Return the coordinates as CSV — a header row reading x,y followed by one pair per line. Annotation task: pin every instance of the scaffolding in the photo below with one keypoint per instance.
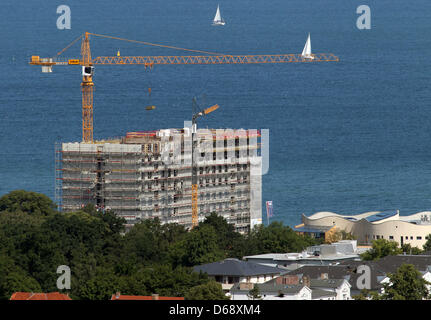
x,y
131,177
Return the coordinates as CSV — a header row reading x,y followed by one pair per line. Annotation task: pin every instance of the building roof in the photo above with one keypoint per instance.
x,y
326,283
127,297
392,263
39,296
271,287
319,293
343,271
341,250
239,268
381,216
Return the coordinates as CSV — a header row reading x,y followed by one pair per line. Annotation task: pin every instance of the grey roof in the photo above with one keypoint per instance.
x,y
325,283
379,269
392,263
271,288
319,293
239,268
346,271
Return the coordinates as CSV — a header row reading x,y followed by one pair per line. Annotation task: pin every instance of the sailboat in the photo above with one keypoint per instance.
x,y
306,53
218,20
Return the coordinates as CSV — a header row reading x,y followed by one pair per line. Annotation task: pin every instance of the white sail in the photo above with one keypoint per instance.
x,y
218,19
306,53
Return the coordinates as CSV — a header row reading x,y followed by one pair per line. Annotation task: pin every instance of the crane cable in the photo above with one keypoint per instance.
x,y
136,41
156,45
69,45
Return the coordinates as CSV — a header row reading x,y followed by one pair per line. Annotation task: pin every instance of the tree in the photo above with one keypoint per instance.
x,y
427,245
340,235
199,246
227,236
114,222
408,249
254,294
209,291
405,284
150,242
365,294
151,258
276,238
29,202
14,279
100,287
381,248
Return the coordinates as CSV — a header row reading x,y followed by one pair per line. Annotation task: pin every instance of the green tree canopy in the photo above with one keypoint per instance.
x,y
14,279
29,202
405,284
427,245
381,248
199,246
209,291
276,238
408,249
150,258
254,293
228,238
150,242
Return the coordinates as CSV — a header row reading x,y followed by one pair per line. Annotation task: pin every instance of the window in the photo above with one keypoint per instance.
x,y
418,238
391,237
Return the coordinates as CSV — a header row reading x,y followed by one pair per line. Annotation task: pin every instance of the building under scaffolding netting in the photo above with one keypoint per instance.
x,y
147,174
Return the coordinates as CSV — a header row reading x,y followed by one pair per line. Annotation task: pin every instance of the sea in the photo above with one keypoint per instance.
x,y
348,137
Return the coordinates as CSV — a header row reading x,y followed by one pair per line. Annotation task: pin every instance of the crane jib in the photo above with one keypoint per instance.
x,y
221,59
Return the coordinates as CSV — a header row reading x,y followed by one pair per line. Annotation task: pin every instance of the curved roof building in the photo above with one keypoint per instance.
x,y
412,229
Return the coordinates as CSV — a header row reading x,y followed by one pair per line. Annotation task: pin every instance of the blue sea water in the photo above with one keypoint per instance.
x,y
348,137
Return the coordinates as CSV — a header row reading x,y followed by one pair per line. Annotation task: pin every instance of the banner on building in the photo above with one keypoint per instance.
x,y
269,210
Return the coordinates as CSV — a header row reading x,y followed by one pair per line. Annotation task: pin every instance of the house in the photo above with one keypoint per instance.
x,y
39,296
119,296
320,294
346,271
389,264
326,254
379,270
337,289
231,271
392,263
271,291
289,287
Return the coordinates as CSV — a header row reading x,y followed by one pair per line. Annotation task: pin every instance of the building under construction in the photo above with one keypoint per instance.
x,y
148,174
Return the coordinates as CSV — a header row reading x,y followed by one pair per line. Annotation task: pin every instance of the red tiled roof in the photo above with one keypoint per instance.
x,y
126,297
39,296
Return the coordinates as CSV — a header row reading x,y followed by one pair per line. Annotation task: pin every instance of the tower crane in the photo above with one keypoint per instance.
x,y
195,117
205,57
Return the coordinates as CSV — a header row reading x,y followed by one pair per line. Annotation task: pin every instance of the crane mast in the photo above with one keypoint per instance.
x,y
87,87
